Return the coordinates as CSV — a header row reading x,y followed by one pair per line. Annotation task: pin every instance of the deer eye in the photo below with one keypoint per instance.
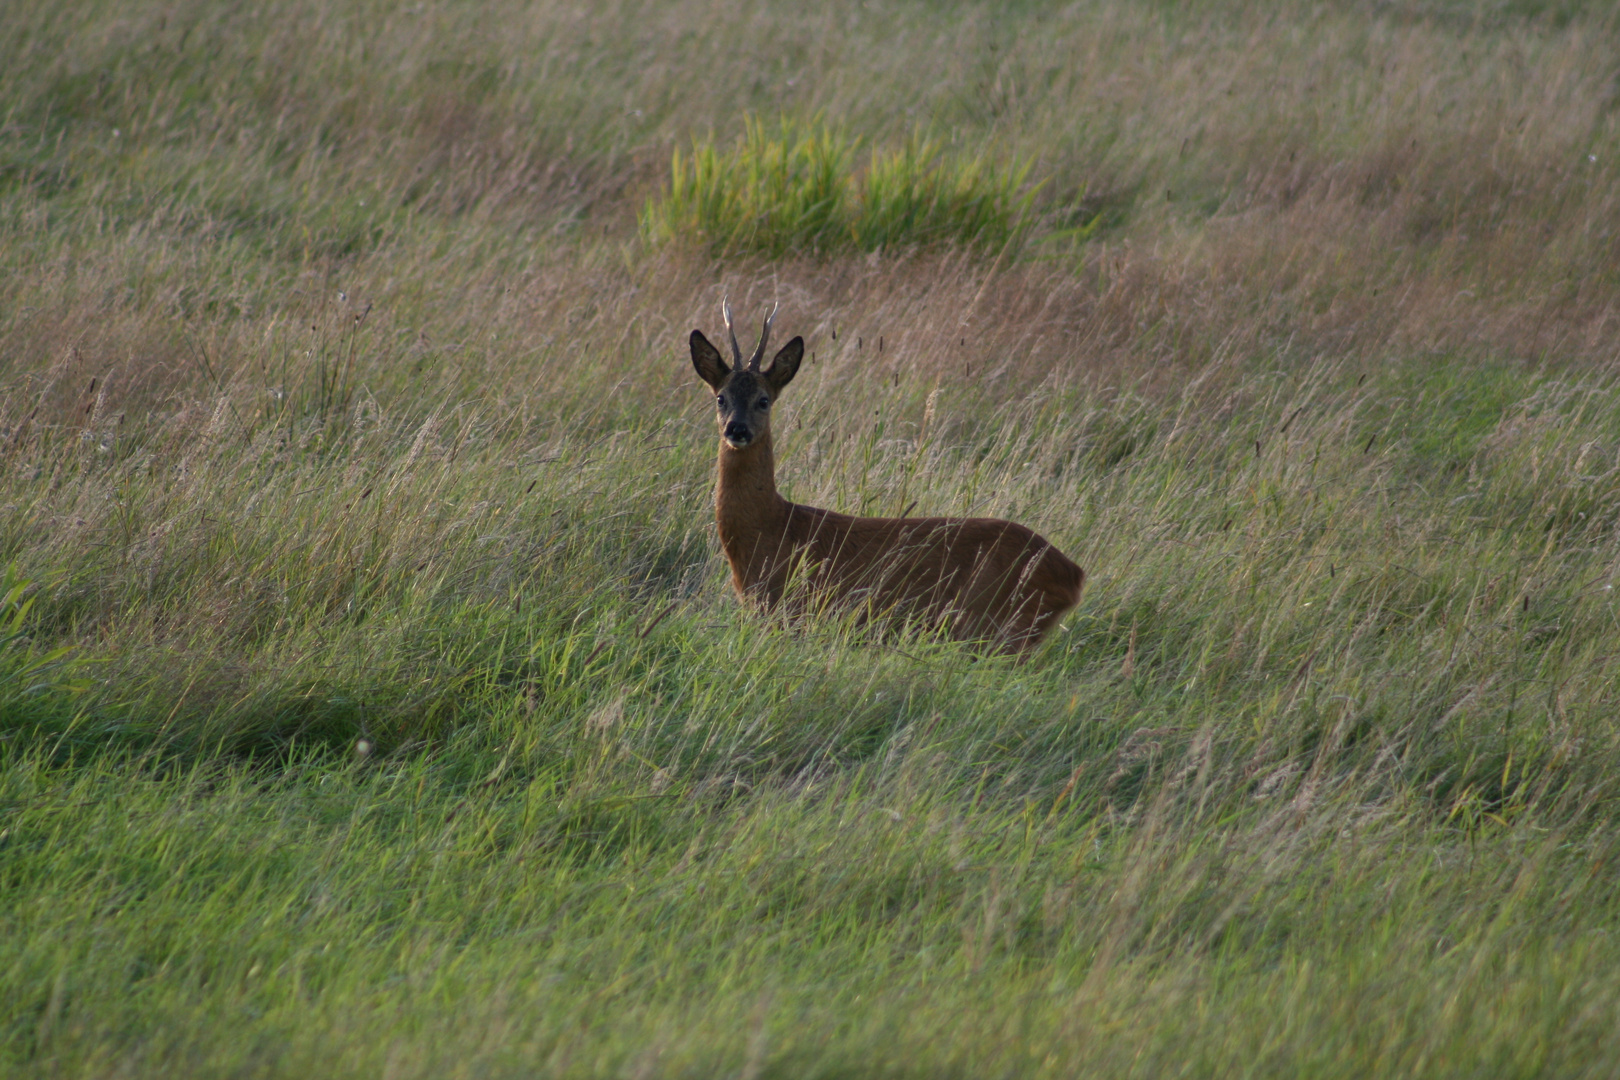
x,y
720,401
764,402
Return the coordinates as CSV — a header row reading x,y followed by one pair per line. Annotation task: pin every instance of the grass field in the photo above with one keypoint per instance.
x,y
372,697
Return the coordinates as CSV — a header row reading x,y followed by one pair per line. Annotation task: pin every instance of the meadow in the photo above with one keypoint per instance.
x,y
373,700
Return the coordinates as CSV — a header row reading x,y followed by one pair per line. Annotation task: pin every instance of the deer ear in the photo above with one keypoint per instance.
x,y
785,364
707,361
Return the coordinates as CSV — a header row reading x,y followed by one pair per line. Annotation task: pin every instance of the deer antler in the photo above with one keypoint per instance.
x,y
736,350
764,336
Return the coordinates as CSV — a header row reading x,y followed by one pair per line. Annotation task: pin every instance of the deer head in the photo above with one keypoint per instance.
x,y
744,393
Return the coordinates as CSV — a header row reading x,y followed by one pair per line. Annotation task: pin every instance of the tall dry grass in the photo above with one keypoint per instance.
x,y
1308,175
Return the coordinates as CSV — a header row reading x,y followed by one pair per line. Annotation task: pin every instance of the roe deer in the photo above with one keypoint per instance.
x,y
984,579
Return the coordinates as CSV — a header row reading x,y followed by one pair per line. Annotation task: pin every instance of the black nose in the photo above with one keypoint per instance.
x,y
737,432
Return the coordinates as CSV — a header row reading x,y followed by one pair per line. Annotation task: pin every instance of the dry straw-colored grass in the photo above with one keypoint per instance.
x,y
1362,185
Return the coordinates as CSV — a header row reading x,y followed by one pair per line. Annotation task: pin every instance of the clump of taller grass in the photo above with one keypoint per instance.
x,y
800,188
914,195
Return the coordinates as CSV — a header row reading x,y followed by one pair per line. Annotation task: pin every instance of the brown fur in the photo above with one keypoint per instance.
x,y
983,578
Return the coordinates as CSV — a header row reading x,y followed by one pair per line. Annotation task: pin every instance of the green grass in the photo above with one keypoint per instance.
x,y
372,697
795,190
1308,755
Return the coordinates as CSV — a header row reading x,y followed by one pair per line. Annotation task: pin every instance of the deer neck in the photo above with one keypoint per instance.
x,y
746,505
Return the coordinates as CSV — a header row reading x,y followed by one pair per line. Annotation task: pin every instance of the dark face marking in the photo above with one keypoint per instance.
x,y
743,397
744,404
